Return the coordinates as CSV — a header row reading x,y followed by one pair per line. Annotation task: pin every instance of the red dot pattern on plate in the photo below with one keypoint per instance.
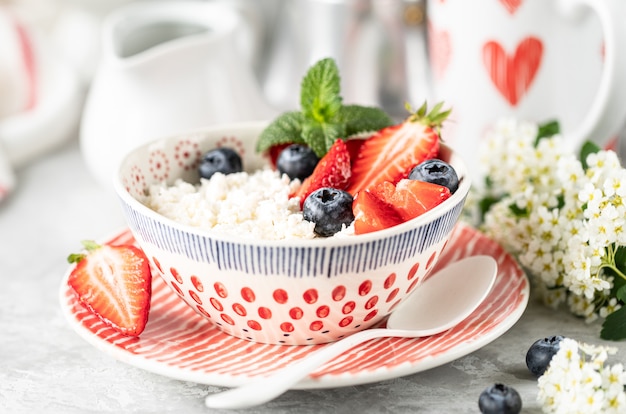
x,y
239,309
310,296
413,271
316,325
391,279
195,297
370,315
177,289
280,296
371,302
339,293
227,319
392,295
254,325
248,294
346,321
348,307
220,289
322,311
365,288
195,281
286,327
216,304
296,313
203,311
265,313
176,275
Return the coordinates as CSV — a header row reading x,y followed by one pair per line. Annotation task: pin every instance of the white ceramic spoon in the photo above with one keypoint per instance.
x,y
444,300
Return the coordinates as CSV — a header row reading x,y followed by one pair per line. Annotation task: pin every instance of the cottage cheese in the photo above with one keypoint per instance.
x,y
255,205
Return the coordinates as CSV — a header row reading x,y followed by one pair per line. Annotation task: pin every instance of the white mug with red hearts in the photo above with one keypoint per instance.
x,y
534,60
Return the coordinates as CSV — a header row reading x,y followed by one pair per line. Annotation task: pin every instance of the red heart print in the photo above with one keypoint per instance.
x,y
513,75
511,5
439,49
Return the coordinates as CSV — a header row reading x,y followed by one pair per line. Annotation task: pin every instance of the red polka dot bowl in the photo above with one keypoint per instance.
x,y
295,292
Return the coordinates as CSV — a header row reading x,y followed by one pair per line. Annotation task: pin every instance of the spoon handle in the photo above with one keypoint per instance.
x,y
270,387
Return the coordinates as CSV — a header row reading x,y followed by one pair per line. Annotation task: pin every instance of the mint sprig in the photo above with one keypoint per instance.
x,y
322,118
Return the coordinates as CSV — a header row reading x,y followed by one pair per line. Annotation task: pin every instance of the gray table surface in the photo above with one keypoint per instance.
x,y
45,367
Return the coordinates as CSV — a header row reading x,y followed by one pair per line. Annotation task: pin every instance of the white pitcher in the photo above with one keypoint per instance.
x,y
167,67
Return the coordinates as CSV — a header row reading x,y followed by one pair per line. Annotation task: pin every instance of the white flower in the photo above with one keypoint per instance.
x,y
563,222
579,381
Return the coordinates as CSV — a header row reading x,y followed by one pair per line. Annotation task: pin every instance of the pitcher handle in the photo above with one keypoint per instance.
x,y
608,110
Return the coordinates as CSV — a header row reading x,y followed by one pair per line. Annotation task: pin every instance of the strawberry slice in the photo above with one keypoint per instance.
x,y
372,213
411,198
390,154
332,170
115,283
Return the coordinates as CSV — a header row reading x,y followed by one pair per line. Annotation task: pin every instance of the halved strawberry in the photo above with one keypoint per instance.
x,y
372,213
411,198
114,282
390,154
332,170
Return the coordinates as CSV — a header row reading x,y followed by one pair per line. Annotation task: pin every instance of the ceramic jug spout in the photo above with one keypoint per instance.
x,y
166,68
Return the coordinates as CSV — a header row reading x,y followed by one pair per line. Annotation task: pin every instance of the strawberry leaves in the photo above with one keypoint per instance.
x,y
322,118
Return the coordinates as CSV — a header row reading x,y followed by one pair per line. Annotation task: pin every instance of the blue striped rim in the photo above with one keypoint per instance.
x,y
292,261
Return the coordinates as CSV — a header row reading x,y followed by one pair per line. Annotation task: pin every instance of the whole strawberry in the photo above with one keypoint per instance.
x,y
115,283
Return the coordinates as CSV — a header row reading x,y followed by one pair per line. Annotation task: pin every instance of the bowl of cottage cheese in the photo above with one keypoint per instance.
x,y
237,249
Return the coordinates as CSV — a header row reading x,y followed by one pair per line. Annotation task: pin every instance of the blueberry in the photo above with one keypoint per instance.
x,y
329,209
297,161
223,160
541,352
500,399
437,172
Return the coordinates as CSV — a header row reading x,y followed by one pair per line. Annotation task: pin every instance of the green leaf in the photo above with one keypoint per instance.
x,y
320,98
321,136
621,293
89,245
287,128
587,148
359,119
614,326
547,130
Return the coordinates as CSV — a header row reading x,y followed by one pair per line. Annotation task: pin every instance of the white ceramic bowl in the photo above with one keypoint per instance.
x,y
280,292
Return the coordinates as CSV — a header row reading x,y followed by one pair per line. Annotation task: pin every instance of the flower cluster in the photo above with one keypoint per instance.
x,y
578,381
563,218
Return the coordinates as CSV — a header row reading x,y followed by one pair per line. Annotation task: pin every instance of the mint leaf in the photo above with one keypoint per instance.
x,y
320,98
359,119
321,136
287,128
614,326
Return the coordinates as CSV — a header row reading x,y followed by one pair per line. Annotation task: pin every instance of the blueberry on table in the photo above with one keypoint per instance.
x,y
223,160
500,399
297,161
436,171
541,352
329,209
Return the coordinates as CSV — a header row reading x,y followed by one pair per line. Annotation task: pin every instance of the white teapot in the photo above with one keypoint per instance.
x,y
166,67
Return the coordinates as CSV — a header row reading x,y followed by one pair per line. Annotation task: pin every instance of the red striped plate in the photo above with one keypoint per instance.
x,y
180,344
